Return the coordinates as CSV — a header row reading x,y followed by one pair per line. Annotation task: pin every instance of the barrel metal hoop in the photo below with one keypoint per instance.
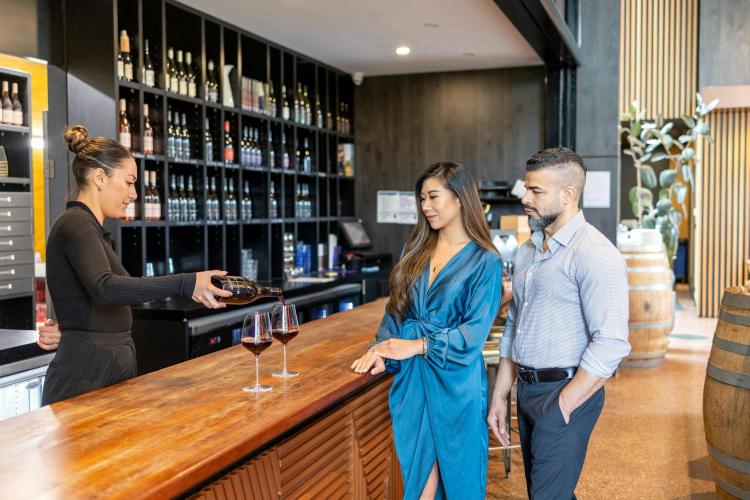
x,y
649,326
736,300
648,269
729,378
735,347
732,489
734,318
649,288
735,463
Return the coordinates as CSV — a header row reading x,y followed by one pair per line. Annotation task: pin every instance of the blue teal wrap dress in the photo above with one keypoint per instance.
x,y
439,405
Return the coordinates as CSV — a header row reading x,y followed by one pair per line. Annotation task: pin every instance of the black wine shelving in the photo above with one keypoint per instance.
x,y
170,246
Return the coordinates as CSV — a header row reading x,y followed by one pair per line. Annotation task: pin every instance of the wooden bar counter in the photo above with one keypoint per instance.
x,y
190,430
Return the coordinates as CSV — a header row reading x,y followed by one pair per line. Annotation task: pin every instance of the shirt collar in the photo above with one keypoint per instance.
x,y
85,208
562,236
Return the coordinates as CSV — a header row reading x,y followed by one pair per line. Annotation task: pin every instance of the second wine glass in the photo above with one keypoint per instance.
x,y
285,327
256,338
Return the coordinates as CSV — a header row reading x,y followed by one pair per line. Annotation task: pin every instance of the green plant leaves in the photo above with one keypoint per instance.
x,y
687,154
648,176
645,196
686,172
649,222
665,194
663,206
667,178
680,191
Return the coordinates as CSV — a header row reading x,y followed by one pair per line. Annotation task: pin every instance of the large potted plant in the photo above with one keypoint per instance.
x,y
651,142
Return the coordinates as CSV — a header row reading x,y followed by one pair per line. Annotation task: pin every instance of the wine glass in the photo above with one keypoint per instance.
x,y
256,338
285,328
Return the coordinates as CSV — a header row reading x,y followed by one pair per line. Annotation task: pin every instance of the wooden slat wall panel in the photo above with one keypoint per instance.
x,y
722,229
347,454
658,56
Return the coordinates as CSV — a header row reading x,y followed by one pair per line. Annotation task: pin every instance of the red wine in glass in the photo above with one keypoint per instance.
x,y
256,338
285,336
285,328
255,347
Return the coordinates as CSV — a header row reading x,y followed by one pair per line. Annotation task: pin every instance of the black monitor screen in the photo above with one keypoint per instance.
x,y
355,234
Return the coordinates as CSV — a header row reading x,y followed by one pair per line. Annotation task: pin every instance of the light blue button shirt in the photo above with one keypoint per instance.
x,y
570,304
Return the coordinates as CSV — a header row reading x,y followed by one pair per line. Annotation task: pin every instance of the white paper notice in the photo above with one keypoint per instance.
x,y
407,208
388,206
596,191
397,207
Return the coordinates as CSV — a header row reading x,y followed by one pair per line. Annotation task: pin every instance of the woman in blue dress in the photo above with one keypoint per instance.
x,y
445,292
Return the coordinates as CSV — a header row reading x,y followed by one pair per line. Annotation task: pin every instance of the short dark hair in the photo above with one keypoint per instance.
x,y
554,157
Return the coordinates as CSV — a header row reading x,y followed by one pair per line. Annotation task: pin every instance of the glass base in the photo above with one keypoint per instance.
x,y
285,374
257,388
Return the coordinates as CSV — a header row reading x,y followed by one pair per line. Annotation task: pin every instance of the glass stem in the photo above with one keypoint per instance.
x,y
257,371
285,370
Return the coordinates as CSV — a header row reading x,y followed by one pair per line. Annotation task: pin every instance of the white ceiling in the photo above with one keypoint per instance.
x,y
362,35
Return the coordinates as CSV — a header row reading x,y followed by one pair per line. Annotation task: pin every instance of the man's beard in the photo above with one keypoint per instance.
x,y
541,222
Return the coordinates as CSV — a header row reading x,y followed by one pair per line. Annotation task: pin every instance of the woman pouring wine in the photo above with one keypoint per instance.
x,y
89,287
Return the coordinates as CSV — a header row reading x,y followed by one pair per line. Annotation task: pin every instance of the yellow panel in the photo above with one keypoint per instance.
x,y
39,104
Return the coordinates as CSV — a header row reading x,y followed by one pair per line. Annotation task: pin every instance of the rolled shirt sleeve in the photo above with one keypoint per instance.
x,y
603,287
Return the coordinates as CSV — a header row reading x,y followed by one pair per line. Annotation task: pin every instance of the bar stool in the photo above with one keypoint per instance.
x,y
491,353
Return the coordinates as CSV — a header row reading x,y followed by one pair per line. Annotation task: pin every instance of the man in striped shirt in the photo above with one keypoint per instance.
x,y
567,328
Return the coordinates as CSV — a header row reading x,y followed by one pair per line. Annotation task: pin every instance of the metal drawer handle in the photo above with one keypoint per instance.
x,y
8,257
6,228
8,243
10,271
7,198
9,286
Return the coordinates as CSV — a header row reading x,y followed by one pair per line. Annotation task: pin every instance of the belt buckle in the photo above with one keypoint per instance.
x,y
529,376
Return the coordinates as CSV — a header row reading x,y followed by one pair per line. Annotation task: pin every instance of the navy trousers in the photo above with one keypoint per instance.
x,y
553,451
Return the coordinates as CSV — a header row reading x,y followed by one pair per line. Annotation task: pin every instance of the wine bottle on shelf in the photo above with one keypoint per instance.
x,y
155,198
298,158
124,61
17,108
234,199
228,145
243,147
173,80
183,200
209,142
298,200
192,88
307,161
7,113
258,149
213,212
171,146
192,201
308,108
284,151
296,109
181,75
148,74
271,149
318,112
131,211
244,291
284,104
148,133
187,152
247,202
271,109
124,136
147,209
171,201
273,204
227,211
211,91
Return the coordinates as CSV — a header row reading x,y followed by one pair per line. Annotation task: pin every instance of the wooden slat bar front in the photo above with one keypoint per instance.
x,y
168,432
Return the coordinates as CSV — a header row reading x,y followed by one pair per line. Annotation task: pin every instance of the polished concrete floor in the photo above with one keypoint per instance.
x,y
649,442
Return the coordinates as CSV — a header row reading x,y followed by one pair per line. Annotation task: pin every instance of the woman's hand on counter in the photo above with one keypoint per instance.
x,y
368,361
49,335
205,292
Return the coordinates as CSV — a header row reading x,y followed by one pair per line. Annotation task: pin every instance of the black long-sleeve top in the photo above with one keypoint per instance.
x,y
89,287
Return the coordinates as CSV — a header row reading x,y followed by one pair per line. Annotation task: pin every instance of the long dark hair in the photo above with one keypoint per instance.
x,y
423,238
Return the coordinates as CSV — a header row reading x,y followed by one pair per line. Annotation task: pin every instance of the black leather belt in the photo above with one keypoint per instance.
x,y
528,375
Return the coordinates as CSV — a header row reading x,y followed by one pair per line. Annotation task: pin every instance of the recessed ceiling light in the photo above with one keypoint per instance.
x,y
431,25
403,50
469,54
